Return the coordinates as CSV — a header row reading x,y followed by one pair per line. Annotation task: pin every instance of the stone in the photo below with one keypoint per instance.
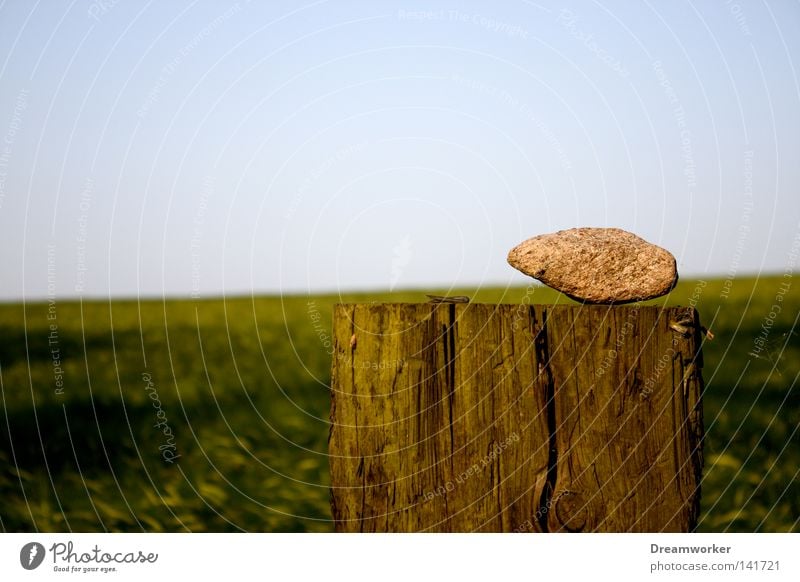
x,y
597,265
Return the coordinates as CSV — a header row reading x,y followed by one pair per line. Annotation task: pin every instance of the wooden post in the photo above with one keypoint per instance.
x,y
528,418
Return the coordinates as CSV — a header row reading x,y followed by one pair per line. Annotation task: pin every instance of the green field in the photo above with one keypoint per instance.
x,y
242,406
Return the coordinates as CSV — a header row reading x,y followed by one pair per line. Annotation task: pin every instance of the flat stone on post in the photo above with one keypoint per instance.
x,y
597,265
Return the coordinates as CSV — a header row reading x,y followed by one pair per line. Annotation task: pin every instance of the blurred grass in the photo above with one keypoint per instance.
x,y
243,385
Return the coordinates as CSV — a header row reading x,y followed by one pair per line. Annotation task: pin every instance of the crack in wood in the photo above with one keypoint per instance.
x,y
542,352
450,362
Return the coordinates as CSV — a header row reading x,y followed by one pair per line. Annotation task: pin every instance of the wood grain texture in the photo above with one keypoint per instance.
x,y
499,418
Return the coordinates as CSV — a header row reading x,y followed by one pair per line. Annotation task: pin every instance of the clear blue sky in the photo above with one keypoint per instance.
x,y
177,148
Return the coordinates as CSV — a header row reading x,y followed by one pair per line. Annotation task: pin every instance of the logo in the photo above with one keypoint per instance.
x,y
31,555
402,257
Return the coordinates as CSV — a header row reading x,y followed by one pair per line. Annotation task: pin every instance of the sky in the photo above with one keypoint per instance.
x,y
192,149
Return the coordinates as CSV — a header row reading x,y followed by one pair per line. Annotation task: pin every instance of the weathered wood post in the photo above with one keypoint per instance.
x,y
501,418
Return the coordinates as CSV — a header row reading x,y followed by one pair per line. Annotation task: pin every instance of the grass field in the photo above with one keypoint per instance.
x,y
211,415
